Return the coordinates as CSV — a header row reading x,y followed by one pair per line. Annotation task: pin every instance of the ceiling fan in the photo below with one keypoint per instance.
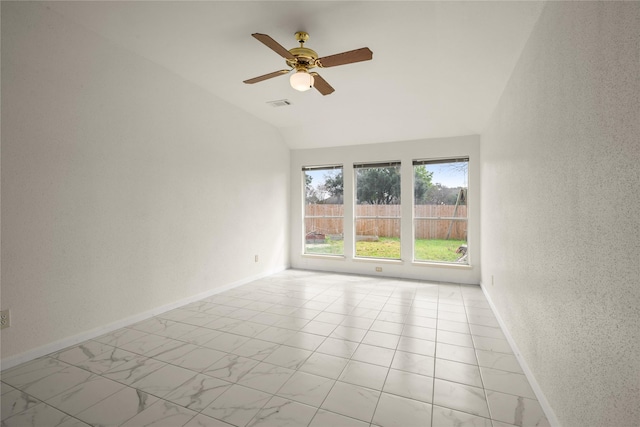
x,y
302,59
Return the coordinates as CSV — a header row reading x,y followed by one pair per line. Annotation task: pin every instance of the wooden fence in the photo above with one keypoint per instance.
x,y
386,220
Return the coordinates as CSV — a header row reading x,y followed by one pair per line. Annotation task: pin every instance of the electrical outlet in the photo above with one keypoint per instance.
x,y
492,280
379,269
256,258
5,319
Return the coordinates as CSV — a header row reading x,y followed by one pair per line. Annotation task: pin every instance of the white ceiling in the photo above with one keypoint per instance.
x,y
438,68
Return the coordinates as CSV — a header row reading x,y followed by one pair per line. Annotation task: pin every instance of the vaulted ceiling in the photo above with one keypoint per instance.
x,y
438,68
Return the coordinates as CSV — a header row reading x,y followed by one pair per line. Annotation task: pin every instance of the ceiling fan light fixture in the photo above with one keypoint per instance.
x,y
301,80
302,59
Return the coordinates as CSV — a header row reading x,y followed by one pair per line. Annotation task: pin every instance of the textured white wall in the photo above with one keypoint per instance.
x,y
124,187
406,152
561,210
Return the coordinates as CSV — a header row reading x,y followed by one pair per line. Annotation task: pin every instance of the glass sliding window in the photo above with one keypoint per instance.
x,y
323,210
440,210
377,210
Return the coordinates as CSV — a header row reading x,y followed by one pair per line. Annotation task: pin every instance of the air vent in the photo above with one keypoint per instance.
x,y
279,103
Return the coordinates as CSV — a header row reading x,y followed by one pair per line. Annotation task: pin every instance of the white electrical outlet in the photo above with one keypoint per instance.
x,y
492,280
256,258
379,269
5,319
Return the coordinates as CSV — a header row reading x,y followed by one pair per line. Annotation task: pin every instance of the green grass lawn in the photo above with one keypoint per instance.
x,y
437,250
389,247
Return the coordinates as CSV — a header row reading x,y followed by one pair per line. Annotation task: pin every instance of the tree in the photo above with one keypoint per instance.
x,y
382,185
334,184
309,191
321,193
422,183
378,186
439,194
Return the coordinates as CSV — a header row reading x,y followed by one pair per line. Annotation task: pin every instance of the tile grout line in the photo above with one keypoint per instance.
x,y
298,370
389,368
345,367
484,390
389,299
435,355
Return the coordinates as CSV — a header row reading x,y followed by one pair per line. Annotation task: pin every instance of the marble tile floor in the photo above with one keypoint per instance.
x,y
297,348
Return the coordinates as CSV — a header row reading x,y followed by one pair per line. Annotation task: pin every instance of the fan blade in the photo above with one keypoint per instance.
x,y
274,45
266,76
321,84
358,55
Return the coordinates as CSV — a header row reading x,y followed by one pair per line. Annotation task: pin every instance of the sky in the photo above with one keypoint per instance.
x,y
448,176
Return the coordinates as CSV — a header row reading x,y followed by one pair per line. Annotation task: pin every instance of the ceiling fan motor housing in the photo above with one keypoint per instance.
x,y
302,59
305,57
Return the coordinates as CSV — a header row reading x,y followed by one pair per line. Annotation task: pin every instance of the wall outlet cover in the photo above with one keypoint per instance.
x,y
5,319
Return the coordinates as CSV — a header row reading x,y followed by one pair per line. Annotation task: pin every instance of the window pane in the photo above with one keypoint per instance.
x,y
378,238
323,211
377,222
440,211
431,243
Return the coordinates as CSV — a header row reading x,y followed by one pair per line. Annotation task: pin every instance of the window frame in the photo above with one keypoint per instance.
x,y
414,219
370,165
304,170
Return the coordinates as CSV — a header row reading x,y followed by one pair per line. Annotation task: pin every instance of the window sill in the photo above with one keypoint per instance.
x,y
442,265
379,260
325,256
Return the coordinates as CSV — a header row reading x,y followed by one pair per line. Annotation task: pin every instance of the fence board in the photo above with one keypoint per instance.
x,y
424,229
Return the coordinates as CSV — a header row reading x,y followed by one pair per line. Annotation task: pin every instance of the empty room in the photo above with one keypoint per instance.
x,y
320,213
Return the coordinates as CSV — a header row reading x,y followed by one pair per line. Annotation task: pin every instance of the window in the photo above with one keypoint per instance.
x,y
440,210
323,210
377,210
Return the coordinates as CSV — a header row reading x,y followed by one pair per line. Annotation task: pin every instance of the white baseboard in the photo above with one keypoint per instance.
x,y
10,362
544,403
